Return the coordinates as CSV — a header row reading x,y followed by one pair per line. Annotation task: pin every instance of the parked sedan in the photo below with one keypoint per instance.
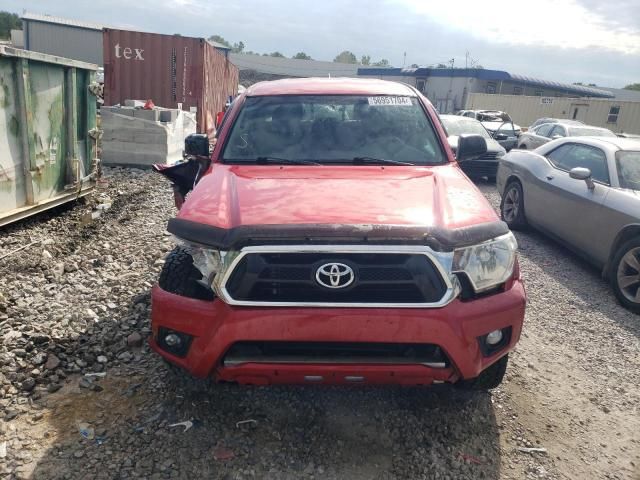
x,y
585,193
543,120
487,164
551,131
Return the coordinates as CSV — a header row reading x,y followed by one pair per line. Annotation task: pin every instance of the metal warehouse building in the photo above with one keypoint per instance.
x,y
69,38
63,37
448,89
618,116
289,67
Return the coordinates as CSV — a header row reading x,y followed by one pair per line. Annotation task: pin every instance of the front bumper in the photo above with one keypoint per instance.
x,y
215,326
480,168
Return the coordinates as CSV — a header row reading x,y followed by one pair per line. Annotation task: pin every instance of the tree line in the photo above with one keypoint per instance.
x,y
345,56
8,22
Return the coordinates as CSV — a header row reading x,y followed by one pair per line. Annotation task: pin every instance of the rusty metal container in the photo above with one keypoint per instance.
x,y
46,114
171,70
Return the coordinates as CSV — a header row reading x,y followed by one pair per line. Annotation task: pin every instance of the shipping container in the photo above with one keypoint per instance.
x,y
47,155
171,70
617,116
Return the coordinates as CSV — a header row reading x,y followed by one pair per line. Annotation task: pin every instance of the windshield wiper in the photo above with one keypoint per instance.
x,y
383,161
291,161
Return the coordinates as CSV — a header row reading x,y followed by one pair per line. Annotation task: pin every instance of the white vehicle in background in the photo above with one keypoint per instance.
x,y
499,125
546,132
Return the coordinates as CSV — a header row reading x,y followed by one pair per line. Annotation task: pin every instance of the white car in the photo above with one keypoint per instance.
x,y
499,125
552,131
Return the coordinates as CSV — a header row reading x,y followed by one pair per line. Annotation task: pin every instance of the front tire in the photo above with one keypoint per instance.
x,y
180,276
512,206
490,378
625,275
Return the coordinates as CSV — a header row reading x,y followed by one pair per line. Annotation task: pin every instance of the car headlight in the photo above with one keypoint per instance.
x,y
488,264
207,260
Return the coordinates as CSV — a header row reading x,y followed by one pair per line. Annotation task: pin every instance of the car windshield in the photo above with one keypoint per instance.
x,y
333,129
460,126
591,132
628,163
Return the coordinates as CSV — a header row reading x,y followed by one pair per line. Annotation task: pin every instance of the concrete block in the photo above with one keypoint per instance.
x,y
169,116
151,115
117,110
134,103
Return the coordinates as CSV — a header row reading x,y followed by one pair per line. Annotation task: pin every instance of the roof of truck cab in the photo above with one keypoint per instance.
x,y
330,86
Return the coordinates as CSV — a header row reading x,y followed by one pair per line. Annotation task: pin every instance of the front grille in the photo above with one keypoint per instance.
x,y
489,156
379,278
335,353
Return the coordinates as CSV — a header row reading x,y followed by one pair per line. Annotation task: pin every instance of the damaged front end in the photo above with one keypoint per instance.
x,y
186,174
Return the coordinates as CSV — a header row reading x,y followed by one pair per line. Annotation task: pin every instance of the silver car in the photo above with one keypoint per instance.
x,y
585,193
551,131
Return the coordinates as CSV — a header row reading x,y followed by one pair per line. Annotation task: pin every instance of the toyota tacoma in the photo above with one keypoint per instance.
x,y
330,237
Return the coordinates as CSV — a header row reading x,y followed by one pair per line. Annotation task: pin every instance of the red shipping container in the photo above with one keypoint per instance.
x,y
169,69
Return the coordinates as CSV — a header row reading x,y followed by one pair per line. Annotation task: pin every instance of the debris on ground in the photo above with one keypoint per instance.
x,y
246,422
223,453
532,450
187,424
86,430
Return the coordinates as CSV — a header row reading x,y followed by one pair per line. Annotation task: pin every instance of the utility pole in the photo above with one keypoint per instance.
x,y
404,62
466,60
450,92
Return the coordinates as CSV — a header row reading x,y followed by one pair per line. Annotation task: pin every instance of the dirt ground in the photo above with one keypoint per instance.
x,y
572,386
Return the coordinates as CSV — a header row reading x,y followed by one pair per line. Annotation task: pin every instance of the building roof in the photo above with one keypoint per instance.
x,y
491,75
219,46
293,67
623,95
36,17
330,86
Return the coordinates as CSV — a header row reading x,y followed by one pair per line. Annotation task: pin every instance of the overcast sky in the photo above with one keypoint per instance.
x,y
589,41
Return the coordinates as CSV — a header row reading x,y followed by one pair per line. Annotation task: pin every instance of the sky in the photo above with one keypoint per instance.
x,y
588,41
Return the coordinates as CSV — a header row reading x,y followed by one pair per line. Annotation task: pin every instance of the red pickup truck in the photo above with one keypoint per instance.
x,y
332,238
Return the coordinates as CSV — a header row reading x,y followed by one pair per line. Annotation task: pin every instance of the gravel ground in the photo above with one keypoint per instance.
x,y
78,303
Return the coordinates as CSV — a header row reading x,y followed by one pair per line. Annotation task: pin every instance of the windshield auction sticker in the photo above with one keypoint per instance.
x,y
390,101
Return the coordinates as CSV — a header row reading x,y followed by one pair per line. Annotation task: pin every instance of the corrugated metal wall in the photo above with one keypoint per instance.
x,y
525,110
65,41
221,78
170,70
46,112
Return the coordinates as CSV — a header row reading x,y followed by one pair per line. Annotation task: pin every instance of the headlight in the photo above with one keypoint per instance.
x,y
208,261
487,264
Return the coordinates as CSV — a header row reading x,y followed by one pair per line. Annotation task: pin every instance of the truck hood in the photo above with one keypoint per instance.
x,y
275,197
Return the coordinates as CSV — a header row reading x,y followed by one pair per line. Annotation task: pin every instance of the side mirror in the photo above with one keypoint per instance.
x,y
470,147
581,173
556,137
196,145
501,136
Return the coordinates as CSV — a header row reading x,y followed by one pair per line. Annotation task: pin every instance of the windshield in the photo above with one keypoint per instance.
x,y
628,164
460,126
332,129
591,132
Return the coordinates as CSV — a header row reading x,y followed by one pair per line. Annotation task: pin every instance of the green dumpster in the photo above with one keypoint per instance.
x,y
47,119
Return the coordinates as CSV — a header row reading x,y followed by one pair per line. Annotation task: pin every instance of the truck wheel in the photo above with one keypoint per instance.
x,y
512,206
179,276
625,274
488,379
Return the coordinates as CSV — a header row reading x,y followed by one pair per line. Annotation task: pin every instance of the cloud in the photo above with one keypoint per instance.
x,y
621,14
563,24
553,41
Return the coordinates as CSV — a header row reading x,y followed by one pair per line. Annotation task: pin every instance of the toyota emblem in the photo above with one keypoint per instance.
x,y
335,275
